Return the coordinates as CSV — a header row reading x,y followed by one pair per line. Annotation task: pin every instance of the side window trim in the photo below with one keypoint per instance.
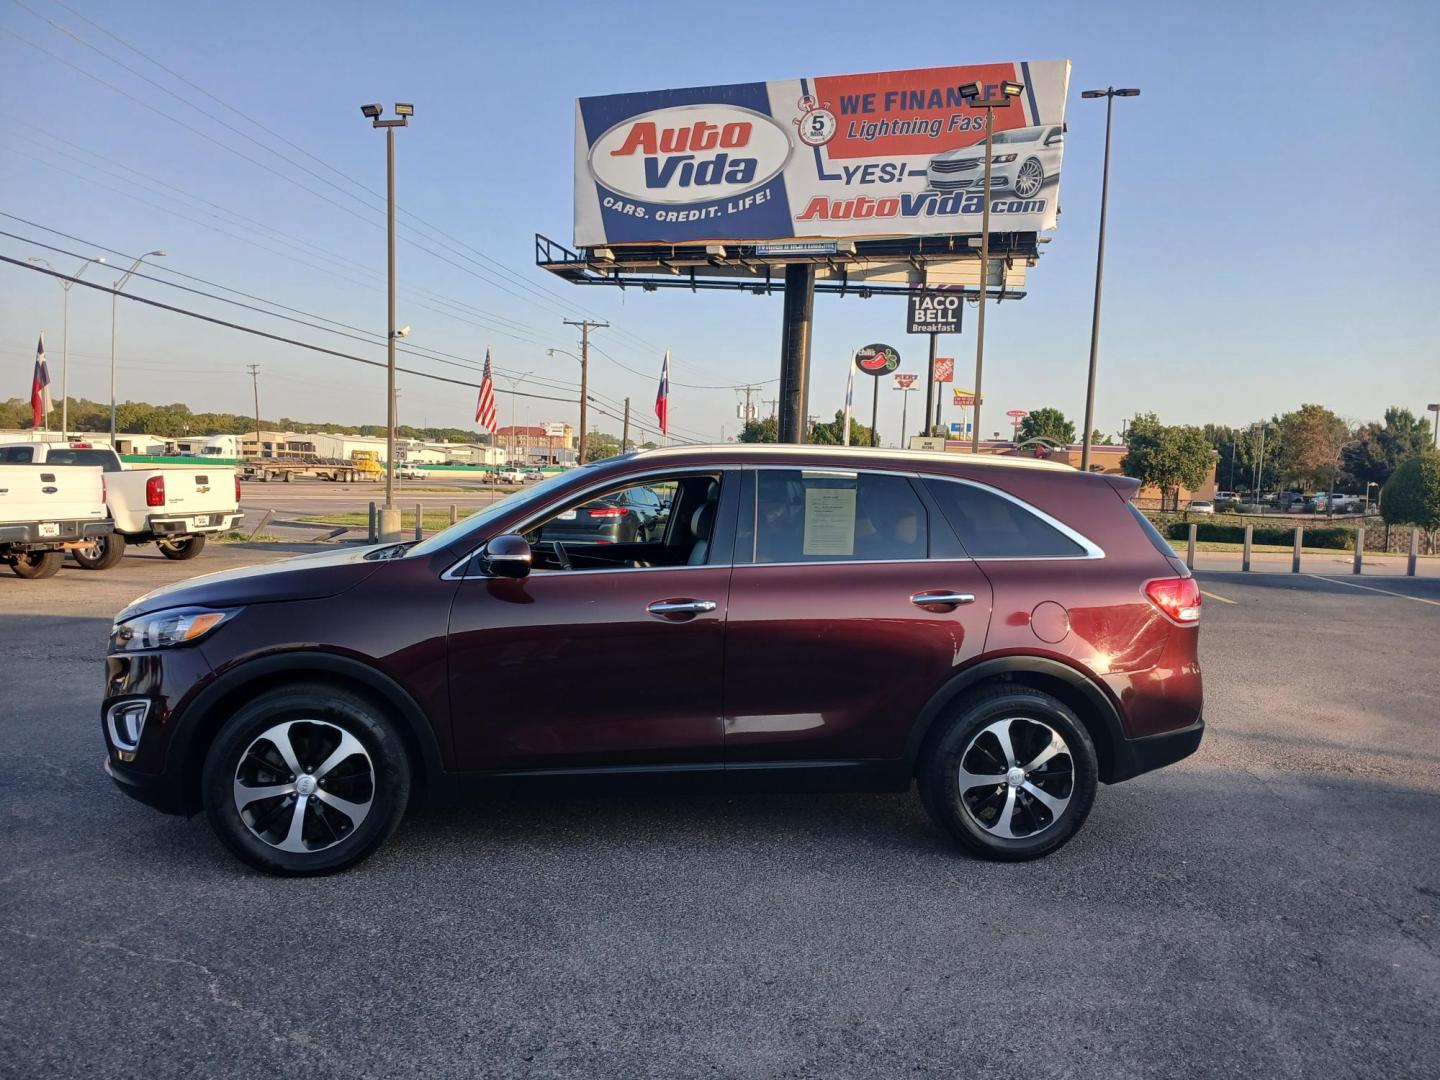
x,y
1089,549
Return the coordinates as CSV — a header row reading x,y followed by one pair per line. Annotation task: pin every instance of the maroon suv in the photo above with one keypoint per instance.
x,y
1006,633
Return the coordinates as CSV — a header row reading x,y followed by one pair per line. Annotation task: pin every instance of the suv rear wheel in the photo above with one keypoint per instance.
x,y
1012,774
105,552
186,548
37,564
306,780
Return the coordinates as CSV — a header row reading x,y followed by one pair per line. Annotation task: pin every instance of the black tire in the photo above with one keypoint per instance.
x,y
109,549
180,550
34,565
1070,775
315,710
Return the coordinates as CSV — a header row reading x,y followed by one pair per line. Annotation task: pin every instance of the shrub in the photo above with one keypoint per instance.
x,y
1338,537
1412,494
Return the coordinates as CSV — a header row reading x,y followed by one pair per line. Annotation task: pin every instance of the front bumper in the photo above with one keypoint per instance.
x,y
1132,757
972,180
153,791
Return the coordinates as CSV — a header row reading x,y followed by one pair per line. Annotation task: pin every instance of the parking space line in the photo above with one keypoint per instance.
x,y
1371,588
1217,596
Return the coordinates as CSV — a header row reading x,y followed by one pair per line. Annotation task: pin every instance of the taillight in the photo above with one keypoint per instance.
x,y
1178,598
237,489
155,491
608,512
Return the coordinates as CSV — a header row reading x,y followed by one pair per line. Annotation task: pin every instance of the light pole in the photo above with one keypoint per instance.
x,y
1434,407
979,97
120,284
583,361
514,381
1109,94
390,515
65,284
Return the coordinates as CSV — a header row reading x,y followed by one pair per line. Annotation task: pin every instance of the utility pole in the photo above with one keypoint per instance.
x,y
747,413
586,325
625,431
772,402
255,383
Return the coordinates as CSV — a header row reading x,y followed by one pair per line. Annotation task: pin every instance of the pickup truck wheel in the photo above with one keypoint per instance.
x,y
186,548
37,564
103,554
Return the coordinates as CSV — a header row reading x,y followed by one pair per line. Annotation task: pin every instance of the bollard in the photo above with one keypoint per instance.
x,y
1359,548
1299,539
1414,552
454,514
1249,542
419,523
1190,548
370,537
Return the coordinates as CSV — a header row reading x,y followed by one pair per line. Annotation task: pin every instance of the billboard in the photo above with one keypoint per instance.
x,y
933,311
889,153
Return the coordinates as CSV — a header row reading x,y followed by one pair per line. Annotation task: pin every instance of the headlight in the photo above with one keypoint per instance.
x,y
1003,159
164,629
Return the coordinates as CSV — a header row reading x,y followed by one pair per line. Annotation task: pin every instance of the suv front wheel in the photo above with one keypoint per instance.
x,y
306,779
1011,775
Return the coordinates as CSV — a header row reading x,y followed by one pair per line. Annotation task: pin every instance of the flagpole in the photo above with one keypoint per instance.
x,y
849,401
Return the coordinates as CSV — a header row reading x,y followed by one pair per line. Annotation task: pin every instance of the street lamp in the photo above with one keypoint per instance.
x,y
979,97
390,515
65,284
584,396
1434,407
1109,94
120,284
515,381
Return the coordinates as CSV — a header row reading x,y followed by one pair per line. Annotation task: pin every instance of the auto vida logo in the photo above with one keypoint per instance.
x,y
690,154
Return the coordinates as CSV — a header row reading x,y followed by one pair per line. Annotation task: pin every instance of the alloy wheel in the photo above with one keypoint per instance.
x,y
1029,179
304,785
1016,778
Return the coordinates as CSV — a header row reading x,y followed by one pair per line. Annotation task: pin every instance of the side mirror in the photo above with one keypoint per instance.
x,y
507,556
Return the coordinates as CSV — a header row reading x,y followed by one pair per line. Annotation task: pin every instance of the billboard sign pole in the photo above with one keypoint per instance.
x,y
876,360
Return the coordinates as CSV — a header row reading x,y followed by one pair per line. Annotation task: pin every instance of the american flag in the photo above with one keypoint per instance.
x,y
662,397
40,386
485,406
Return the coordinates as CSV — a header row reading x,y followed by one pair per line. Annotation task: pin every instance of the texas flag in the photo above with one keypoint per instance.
x,y
662,397
40,386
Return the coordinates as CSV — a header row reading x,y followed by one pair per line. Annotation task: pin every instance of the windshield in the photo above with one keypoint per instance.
x,y
1016,136
478,520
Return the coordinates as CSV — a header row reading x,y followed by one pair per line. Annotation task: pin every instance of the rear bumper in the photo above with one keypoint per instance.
x,y
185,525
1132,757
65,531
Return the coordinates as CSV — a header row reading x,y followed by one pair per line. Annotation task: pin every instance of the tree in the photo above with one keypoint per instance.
x,y
1099,438
1047,423
599,445
1379,449
761,431
1312,440
1167,458
830,434
1412,494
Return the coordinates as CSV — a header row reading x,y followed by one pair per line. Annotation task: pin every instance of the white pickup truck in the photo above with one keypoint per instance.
x,y
176,507
45,512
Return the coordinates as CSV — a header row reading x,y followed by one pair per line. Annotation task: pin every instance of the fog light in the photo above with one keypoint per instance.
x,y
126,722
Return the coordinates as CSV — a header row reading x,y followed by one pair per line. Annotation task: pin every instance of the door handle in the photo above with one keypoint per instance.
x,y
942,598
681,607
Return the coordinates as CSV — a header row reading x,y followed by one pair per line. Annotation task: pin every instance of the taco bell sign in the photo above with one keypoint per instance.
x,y
890,153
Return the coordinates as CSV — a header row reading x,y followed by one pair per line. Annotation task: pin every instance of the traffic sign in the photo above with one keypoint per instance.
x,y
933,311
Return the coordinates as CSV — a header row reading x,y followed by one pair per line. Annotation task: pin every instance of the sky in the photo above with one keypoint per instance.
x,y
1272,233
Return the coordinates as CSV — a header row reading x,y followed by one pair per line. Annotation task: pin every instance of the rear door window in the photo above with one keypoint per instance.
x,y
993,526
17,455
804,515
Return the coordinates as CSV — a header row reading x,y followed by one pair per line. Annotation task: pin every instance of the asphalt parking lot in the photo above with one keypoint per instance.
x,y
1267,908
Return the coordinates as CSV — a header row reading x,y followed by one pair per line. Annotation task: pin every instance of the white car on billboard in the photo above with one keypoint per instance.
x,y
1025,160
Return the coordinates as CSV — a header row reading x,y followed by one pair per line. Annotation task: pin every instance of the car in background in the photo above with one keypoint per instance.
x,y
1201,506
511,474
1008,633
631,516
410,472
534,474
1025,160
